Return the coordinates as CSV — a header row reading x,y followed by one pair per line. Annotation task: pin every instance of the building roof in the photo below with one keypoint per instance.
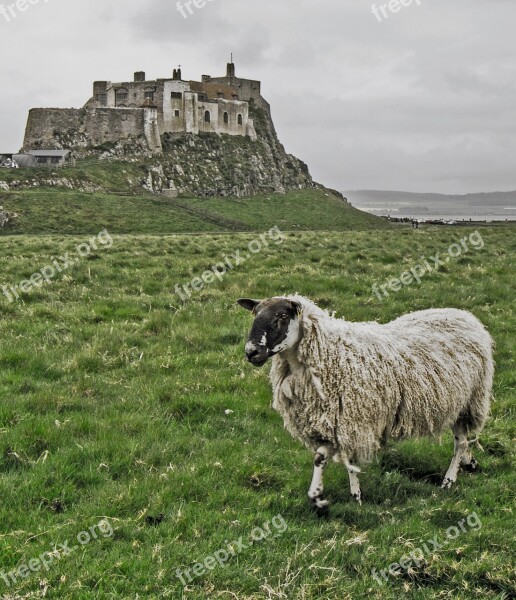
x,y
25,160
212,89
59,153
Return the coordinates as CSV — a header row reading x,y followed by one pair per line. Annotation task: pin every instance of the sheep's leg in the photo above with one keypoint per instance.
x,y
315,493
461,453
468,462
354,483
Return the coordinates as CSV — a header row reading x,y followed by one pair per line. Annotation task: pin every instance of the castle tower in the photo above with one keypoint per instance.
x,y
230,72
151,127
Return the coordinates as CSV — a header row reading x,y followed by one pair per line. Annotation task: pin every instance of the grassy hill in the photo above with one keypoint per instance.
x,y
58,210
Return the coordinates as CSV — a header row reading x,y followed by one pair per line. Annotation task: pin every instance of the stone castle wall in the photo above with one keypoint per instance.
x,y
53,128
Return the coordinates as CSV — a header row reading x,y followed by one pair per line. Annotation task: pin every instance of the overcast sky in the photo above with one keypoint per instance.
x,y
423,100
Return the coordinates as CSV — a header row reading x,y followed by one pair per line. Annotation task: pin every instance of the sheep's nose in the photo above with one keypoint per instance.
x,y
251,353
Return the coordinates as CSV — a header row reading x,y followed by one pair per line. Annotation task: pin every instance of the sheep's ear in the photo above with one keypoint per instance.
x,y
296,306
248,304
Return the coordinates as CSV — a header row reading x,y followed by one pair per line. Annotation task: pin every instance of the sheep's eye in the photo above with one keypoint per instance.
x,y
284,316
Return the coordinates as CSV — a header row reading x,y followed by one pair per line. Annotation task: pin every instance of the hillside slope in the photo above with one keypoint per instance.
x,y
49,211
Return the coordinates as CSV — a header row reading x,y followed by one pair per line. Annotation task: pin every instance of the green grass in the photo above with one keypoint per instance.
x,y
113,405
46,210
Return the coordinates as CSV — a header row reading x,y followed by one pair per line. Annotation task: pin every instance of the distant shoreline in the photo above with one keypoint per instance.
x,y
440,217
499,207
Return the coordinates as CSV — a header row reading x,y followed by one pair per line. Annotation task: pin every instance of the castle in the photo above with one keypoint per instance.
x,y
148,109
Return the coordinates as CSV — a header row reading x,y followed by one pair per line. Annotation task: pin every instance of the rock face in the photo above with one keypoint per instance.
x,y
208,165
6,217
54,180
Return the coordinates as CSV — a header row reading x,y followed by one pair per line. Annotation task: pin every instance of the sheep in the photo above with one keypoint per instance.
x,y
343,389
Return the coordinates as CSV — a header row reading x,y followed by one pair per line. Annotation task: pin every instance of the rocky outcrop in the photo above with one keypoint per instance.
x,y
53,180
6,217
208,165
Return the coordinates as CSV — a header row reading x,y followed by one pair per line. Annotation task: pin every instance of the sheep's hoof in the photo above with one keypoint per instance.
x,y
472,467
323,512
357,498
320,506
447,484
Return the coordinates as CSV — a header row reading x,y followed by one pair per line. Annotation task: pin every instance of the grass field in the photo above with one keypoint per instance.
x,y
121,402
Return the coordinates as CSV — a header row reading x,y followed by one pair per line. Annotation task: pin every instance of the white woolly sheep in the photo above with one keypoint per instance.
x,y
344,388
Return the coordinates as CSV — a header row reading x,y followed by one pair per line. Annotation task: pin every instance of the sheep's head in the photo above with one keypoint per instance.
x,y
275,329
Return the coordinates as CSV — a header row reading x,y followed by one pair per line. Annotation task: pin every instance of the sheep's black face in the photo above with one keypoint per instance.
x,y
275,328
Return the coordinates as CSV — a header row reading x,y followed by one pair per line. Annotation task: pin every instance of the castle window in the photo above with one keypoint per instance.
x,y
240,120
149,95
207,117
226,118
121,95
177,113
176,95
